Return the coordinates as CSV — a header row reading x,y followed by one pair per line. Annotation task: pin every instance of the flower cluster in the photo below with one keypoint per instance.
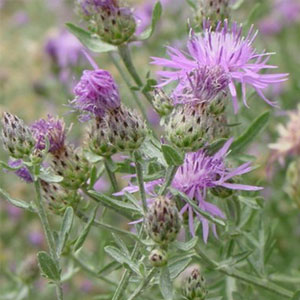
x,y
226,48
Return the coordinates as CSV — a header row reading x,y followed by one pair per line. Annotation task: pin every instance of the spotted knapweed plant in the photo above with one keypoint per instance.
x,y
169,209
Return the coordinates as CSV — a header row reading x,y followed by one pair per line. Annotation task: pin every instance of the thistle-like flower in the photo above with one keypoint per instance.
x,y
163,221
66,161
114,24
50,130
95,93
162,103
288,142
16,136
227,49
199,174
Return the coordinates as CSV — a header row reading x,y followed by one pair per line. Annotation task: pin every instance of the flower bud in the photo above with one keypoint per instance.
x,y
194,287
127,130
72,166
58,198
99,136
162,221
29,270
292,187
158,258
162,103
214,10
21,171
191,126
114,24
16,136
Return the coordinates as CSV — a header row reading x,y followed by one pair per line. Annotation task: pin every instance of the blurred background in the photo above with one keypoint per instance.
x,y
39,64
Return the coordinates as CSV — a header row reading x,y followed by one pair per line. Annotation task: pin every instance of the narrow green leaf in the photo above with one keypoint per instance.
x,y
215,146
186,246
65,229
122,258
86,230
90,41
124,208
192,4
48,266
17,203
248,136
177,266
237,4
165,284
172,156
93,177
48,176
120,243
156,14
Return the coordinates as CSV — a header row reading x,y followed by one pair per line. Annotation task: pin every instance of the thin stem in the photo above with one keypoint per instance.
x,y
140,179
48,233
169,178
230,271
126,57
143,284
127,274
123,75
90,271
110,174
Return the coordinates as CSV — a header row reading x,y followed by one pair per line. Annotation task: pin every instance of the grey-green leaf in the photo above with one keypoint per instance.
x,y
122,258
65,229
90,41
86,230
165,284
48,176
17,203
172,156
156,14
252,131
48,266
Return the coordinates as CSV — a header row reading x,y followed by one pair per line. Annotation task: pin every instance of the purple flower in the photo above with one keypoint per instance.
x,y
202,85
198,174
65,50
91,7
227,48
95,93
22,171
52,129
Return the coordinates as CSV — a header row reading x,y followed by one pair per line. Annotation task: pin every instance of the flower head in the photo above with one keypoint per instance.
x,y
52,129
90,7
95,93
288,142
198,174
228,49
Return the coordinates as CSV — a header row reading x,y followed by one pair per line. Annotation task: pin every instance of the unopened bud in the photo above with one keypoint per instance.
x,y
162,103
163,221
16,136
194,287
58,198
114,24
158,258
127,130
71,164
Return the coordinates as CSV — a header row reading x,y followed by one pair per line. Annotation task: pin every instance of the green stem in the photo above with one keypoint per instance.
x,y
140,179
127,274
143,284
230,271
126,57
169,178
110,174
123,75
48,233
90,271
